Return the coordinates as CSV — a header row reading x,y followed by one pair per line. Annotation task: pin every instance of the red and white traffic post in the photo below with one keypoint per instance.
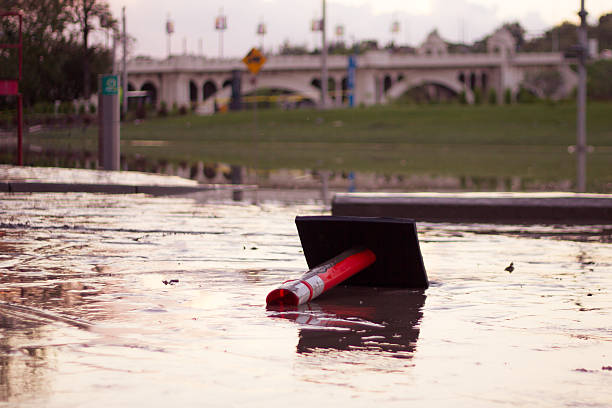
x,y
321,278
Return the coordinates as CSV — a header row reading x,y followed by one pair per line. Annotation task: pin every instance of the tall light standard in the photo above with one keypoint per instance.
x,y
261,31
124,73
395,29
340,34
323,60
169,32
221,26
581,148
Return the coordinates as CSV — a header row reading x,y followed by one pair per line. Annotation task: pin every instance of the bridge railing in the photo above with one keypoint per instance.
x,y
371,59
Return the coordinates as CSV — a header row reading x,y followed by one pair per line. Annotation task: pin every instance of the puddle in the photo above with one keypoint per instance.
x,y
87,320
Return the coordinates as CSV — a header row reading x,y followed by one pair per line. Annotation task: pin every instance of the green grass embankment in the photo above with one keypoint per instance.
x,y
526,141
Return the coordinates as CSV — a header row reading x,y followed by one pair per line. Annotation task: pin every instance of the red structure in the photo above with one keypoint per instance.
x,y
10,86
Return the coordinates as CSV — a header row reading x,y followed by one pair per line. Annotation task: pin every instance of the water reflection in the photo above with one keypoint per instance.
x,y
22,367
537,336
359,318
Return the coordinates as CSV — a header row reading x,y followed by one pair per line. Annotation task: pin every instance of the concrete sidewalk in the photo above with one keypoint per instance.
x,y
497,208
14,179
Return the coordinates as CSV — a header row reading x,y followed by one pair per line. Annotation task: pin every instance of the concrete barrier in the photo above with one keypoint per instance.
x,y
501,208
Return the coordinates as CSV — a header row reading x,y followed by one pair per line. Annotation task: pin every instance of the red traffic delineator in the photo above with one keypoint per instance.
x,y
367,251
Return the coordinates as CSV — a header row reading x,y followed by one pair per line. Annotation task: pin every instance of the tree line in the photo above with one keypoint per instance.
x,y
562,37
59,61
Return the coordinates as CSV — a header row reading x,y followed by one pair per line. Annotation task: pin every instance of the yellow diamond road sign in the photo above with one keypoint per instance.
x,y
254,60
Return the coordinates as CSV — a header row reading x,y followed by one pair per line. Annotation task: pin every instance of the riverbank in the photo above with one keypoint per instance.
x,y
511,148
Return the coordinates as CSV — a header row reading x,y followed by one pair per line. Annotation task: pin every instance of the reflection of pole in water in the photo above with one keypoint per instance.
x,y
363,318
21,328
581,167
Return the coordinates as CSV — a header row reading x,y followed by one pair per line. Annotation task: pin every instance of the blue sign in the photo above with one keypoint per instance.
x,y
352,66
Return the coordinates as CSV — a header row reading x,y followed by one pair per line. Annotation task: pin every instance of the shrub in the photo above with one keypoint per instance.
x,y
493,97
599,85
462,98
141,112
525,96
163,110
507,96
477,96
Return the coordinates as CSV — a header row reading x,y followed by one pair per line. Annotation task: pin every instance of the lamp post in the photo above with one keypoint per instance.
x,y
395,29
169,32
581,148
261,31
221,26
124,79
323,61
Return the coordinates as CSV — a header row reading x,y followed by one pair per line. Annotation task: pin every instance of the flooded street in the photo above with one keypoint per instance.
x,y
133,300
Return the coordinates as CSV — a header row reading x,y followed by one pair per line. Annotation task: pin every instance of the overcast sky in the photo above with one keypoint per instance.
x,y
289,20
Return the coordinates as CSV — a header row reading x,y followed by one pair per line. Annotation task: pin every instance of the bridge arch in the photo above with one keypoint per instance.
x,y
289,84
193,91
277,82
152,92
151,81
208,89
399,88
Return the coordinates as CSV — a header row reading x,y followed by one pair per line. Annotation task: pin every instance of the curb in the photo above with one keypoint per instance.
x,y
586,209
38,187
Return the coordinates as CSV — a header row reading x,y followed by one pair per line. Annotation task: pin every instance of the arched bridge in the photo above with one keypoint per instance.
x,y
381,76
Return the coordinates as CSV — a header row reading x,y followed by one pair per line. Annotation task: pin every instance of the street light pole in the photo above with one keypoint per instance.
x,y
323,61
124,63
581,148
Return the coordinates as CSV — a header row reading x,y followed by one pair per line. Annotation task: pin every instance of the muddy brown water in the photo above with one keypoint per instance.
x,y
86,319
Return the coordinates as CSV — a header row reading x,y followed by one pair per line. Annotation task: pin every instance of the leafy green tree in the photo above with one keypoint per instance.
x,y
90,15
45,42
559,38
492,96
53,65
508,96
518,32
599,85
604,31
477,96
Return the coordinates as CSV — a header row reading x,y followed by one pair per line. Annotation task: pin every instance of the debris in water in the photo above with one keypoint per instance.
x,y
510,267
170,282
584,370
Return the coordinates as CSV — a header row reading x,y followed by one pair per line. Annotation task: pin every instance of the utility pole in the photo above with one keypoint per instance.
x,y
261,32
124,80
169,32
114,50
221,26
323,61
581,148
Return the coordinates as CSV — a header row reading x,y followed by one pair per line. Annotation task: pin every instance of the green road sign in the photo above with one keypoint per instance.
x,y
110,85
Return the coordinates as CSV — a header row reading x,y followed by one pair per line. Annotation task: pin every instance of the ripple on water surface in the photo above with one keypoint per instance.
x,y
123,300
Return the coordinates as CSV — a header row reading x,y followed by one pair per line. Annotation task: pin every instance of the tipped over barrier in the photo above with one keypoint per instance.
x,y
382,252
